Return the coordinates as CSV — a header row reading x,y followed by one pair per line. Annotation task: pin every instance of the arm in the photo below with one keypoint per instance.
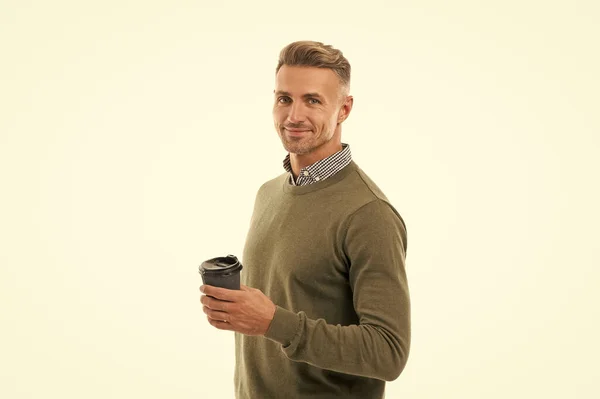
x,y
375,245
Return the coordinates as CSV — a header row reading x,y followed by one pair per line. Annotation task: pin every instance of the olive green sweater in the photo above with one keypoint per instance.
x,y
331,256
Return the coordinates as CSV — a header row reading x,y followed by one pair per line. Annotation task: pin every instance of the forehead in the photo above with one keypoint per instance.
x,y
299,80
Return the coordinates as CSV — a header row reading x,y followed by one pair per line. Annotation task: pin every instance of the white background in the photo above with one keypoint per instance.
x,y
134,135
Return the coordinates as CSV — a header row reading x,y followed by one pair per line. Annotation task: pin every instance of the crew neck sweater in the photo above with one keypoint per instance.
x,y
331,256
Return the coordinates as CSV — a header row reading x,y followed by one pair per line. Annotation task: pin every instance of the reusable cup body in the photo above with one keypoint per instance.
x,y
223,271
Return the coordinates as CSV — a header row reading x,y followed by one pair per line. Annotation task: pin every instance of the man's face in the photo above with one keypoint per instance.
x,y
307,108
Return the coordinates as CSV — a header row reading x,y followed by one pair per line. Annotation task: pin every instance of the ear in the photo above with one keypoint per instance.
x,y
345,109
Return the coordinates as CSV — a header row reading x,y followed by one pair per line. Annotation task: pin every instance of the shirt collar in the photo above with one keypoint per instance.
x,y
321,169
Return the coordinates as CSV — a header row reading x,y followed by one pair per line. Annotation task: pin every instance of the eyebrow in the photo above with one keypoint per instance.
x,y
307,95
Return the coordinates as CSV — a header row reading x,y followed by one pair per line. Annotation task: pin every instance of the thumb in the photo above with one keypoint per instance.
x,y
244,288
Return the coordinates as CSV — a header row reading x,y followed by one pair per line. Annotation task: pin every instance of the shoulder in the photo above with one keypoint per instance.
x,y
362,189
375,223
369,185
370,204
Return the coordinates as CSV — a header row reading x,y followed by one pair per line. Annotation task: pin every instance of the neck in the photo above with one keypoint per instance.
x,y
299,161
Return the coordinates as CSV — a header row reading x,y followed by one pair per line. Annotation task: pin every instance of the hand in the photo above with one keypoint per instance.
x,y
247,311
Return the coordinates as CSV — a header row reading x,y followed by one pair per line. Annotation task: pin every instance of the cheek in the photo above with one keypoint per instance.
x,y
334,120
278,116
327,122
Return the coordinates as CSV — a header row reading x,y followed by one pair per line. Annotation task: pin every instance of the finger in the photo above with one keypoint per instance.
x,y
221,325
245,288
215,304
216,315
221,293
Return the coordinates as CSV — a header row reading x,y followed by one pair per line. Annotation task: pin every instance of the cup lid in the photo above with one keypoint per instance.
x,y
221,264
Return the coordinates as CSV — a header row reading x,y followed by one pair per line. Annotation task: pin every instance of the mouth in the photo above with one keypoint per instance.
x,y
296,132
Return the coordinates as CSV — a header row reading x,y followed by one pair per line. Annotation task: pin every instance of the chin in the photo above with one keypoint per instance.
x,y
297,149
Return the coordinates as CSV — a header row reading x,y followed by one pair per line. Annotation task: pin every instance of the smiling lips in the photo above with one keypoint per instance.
x,y
296,132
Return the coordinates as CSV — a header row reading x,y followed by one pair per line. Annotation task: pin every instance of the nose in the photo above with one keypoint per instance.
x,y
296,113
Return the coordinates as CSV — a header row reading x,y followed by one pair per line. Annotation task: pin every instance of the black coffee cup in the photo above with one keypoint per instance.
x,y
221,272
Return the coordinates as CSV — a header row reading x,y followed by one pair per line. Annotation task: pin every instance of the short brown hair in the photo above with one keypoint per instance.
x,y
316,54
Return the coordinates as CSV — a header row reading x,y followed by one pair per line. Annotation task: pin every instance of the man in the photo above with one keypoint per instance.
x,y
328,314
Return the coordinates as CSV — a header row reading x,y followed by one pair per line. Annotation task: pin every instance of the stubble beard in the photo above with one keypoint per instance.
x,y
299,146
302,145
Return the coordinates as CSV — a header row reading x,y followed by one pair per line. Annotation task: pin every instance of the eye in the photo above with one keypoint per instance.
x,y
283,99
310,100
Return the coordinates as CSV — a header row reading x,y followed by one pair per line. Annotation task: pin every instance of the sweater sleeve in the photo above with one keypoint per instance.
x,y
375,246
